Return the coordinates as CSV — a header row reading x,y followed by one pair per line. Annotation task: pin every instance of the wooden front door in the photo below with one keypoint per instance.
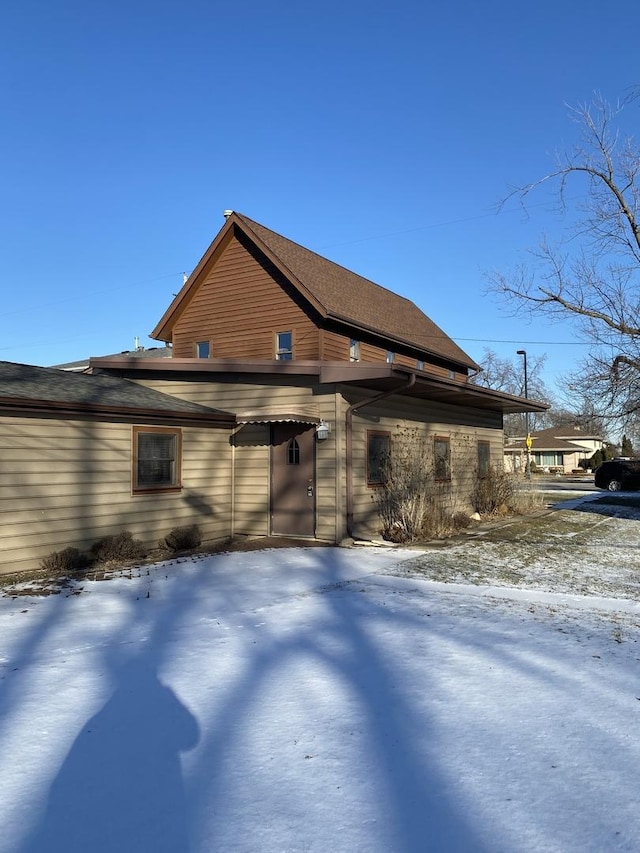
x,y
293,483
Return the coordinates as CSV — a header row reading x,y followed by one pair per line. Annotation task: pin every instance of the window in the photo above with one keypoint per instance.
x,y
442,458
484,458
354,350
156,458
378,450
452,374
284,346
390,357
203,349
420,364
293,452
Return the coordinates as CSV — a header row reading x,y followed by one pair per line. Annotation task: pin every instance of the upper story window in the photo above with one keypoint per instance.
x,y
420,364
390,357
452,374
354,350
203,349
284,346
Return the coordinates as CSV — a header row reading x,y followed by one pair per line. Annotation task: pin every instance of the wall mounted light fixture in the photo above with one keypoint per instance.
x,y
322,430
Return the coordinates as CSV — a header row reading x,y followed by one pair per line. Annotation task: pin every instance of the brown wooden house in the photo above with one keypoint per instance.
x,y
323,369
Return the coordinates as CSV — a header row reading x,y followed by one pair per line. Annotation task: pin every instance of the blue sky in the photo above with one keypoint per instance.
x,y
380,135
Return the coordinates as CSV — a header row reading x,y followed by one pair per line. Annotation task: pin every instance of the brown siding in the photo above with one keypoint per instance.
x,y
69,483
238,308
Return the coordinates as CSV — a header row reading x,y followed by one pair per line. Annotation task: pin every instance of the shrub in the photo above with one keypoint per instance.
x,y
182,538
404,496
525,498
492,491
120,546
67,560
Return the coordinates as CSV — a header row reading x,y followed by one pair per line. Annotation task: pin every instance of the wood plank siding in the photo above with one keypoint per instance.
x,y
68,483
463,428
251,446
239,307
241,303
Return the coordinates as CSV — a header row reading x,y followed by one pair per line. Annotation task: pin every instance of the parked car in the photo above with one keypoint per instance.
x,y
617,474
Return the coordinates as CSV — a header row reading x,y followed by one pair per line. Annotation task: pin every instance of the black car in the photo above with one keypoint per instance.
x,y
617,474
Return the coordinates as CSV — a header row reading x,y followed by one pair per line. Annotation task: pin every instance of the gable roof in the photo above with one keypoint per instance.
x,y
335,292
25,388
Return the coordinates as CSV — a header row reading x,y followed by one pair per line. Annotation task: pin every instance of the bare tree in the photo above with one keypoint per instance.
x,y
591,276
504,374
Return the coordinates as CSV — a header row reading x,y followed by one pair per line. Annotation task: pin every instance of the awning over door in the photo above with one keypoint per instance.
x,y
280,414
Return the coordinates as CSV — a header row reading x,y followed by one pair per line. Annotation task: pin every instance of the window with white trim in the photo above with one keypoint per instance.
x,y
284,346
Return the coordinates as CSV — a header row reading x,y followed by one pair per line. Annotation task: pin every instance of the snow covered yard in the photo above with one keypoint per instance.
x,y
321,699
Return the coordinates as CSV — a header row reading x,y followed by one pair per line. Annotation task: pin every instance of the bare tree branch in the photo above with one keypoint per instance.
x,y
591,276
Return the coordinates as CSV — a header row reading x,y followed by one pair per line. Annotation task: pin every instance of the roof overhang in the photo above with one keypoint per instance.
x,y
376,377
280,414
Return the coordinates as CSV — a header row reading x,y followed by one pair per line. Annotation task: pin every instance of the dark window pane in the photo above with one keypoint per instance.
x,y
293,452
378,450
442,459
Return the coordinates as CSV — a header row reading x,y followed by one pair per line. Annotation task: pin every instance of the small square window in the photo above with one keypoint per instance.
x,y
203,349
390,357
442,458
284,346
354,350
156,458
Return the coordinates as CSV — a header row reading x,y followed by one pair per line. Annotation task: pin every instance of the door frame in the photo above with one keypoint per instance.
x,y
307,475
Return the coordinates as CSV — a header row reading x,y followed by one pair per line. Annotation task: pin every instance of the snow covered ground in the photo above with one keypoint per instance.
x,y
319,700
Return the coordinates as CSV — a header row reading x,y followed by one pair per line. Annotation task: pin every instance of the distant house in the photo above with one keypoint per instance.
x,y
557,449
288,377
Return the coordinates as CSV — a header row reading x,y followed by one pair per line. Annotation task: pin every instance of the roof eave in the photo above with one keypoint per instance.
x,y
62,409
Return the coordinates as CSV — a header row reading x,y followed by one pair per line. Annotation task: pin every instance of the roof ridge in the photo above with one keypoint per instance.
x,y
249,221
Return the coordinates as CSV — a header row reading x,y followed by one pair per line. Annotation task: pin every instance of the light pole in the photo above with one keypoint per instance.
x,y
523,353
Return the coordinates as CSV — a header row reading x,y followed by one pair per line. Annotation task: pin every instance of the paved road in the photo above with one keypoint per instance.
x,y
565,484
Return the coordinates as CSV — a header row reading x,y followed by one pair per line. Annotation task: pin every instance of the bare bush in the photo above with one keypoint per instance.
x,y
492,492
525,498
404,496
116,548
67,560
182,538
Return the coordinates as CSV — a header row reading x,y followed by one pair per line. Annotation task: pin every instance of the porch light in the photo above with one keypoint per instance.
x,y
322,431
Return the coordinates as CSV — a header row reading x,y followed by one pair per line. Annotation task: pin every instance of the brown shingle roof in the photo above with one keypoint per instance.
x,y
340,295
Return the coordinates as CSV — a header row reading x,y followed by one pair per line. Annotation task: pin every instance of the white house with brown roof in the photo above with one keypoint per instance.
x,y
555,450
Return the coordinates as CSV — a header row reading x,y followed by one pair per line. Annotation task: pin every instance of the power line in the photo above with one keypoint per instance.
x,y
520,342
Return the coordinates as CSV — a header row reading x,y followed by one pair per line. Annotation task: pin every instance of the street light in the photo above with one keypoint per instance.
x,y
523,353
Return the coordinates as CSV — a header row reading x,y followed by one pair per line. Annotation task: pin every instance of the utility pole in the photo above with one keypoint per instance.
x,y
528,441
